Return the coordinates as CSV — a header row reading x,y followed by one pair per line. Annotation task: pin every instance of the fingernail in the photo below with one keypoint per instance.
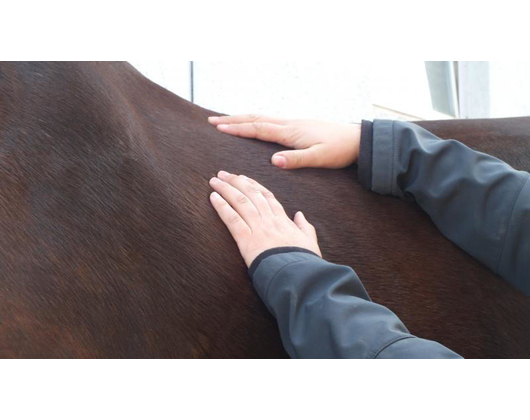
x,y
215,196
214,181
223,174
279,161
223,127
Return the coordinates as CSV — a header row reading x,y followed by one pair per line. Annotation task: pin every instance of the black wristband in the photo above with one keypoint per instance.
x,y
366,155
275,251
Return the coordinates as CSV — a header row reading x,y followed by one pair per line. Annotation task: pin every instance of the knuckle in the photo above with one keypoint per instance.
x,y
293,134
254,117
234,219
297,159
250,190
268,194
241,199
245,183
258,126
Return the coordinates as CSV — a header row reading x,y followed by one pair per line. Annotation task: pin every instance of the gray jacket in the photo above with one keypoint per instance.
x,y
477,201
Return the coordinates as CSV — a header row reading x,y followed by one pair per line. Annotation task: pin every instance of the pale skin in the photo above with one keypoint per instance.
x,y
254,217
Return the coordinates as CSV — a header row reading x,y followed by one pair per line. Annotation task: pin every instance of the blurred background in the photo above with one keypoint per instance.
x,y
349,92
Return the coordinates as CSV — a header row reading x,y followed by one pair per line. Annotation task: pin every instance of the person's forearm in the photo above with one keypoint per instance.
x,y
323,311
477,201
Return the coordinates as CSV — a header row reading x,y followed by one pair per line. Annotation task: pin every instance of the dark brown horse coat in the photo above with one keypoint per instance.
x,y
109,246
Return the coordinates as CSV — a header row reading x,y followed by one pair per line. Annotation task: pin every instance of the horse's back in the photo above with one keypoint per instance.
x,y
110,248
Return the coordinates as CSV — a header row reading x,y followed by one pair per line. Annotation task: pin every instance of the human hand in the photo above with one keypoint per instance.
x,y
256,220
319,144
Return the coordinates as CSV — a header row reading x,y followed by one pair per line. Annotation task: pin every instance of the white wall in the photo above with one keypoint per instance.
x,y
509,89
327,90
336,91
330,90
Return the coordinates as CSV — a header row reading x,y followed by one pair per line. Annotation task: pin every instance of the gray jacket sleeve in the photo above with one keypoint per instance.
x,y
477,201
323,311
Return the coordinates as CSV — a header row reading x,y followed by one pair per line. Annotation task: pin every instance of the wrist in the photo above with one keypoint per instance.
x,y
354,141
275,251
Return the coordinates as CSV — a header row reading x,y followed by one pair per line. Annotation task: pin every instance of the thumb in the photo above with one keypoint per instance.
x,y
305,226
294,159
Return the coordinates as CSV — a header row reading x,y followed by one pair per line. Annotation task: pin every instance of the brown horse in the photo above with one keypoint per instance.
x,y
109,246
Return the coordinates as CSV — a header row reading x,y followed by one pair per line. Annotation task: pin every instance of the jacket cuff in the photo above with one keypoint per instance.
x,y
383,157
275,251
366,155
268,268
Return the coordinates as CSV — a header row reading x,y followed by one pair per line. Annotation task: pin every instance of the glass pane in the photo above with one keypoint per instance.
x,y
442,85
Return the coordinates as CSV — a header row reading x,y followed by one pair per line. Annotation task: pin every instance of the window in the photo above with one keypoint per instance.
x,y
414,90
443,87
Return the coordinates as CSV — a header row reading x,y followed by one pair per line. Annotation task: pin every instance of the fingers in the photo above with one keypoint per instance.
x,y
250,190
305,226
235,224
260,197
252,126
243,203
246,118
264,131
295,159
238,201
274,205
